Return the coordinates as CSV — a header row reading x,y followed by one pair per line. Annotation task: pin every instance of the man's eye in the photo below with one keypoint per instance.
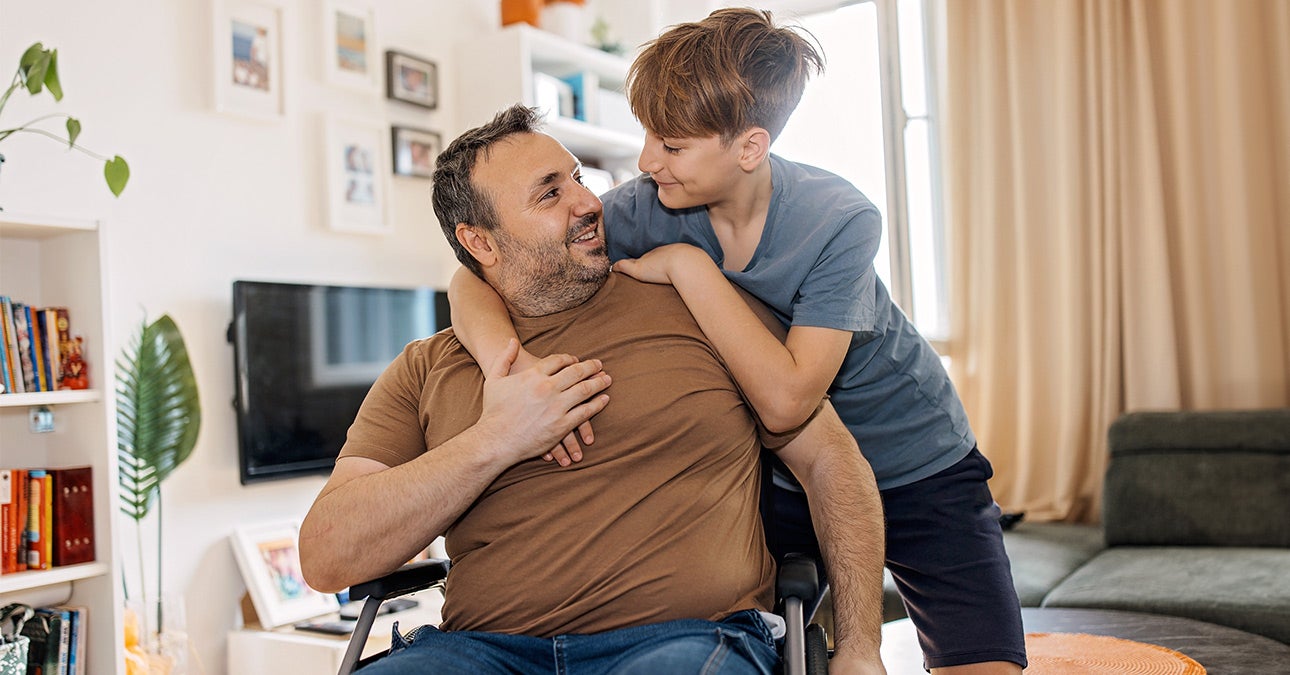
x,y
578,178
553,192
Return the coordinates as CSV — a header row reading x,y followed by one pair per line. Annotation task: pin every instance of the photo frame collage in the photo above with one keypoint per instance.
x,y
253,41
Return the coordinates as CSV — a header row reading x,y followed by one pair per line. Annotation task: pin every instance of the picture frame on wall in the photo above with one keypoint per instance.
x,y
248,58
268,556
350,57
355,180
411,79
414,151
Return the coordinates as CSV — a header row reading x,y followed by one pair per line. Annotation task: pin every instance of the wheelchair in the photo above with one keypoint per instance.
x,y
799,589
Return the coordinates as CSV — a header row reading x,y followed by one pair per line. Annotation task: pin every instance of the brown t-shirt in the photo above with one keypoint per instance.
x,y
659,520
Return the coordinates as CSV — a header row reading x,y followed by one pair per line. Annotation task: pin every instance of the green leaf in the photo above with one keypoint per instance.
x,y
34,74
117,173
51,77
158,412
73,130
30,56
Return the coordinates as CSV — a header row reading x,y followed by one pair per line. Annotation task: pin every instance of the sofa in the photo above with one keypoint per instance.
x,y
1195,523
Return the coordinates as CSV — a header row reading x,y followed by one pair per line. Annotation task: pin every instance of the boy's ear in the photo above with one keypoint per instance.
x,y
754,148
478,242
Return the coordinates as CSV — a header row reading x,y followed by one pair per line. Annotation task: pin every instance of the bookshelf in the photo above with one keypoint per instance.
x,y
497,70
55,261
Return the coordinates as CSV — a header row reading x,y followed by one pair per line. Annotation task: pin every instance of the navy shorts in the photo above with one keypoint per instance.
x,y
945,552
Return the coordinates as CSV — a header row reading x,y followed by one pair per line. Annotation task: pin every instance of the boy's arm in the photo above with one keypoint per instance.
x,y
785,381
846,511
485,331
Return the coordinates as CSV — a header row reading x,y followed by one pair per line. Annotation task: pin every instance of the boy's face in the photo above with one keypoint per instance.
x,y
691,171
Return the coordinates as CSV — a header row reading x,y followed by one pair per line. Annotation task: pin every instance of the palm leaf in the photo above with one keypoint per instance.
x,y
158,412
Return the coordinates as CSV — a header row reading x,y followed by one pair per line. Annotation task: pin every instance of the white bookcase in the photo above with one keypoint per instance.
x,y
46,261
496,70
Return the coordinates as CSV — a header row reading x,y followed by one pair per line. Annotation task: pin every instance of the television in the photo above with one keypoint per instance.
x,y
304,356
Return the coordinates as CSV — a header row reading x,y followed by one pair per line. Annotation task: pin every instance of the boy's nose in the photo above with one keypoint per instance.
x,y
648,162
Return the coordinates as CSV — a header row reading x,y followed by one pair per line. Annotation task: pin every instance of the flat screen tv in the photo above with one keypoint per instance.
x,y
304,356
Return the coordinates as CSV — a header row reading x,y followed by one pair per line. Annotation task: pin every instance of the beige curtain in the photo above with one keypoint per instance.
x,y
1118,180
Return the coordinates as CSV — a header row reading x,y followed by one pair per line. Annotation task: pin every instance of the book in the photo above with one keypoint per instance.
x,y
58,642
6,384
76,660
63,324
8,504
37,350
35,499
72,495
47,522
49,334
15,383
24,346
17,535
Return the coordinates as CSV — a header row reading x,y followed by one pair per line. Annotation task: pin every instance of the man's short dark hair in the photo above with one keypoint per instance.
x,y
456,199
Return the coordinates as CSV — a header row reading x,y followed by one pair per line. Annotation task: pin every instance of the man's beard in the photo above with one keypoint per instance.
x,y
544,278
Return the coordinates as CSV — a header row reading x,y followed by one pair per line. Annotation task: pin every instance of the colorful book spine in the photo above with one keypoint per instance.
x,y
8,504
11,345
35,520
63,324
24,346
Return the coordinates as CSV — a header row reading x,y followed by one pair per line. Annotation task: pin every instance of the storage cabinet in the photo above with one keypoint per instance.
x,y
498,70
59,262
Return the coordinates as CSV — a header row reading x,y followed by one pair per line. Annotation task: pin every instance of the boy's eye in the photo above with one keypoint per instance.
x,y
670,150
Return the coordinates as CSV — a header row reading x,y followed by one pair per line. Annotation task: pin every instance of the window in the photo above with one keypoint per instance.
x,y
879,133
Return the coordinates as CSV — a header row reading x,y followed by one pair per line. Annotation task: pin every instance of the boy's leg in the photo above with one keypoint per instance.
x,y
945,552
739,645
430,650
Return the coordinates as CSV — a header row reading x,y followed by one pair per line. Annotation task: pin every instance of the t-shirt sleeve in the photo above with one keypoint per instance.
x,y
388,427
840,290
620,217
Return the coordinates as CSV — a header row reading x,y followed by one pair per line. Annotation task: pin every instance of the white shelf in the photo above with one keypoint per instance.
x,y
21,581
50,398
54,261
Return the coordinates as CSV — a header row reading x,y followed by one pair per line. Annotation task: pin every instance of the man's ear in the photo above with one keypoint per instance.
x,y
478,242
754,147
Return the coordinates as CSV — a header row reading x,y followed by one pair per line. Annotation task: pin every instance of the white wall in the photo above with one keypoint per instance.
x,y
212,199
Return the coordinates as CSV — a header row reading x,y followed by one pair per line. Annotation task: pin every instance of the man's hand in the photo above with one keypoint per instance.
x,y
531,410
568,451
656,266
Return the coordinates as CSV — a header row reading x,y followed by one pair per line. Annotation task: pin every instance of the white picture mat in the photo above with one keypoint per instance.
x,y
368,78
356,170
268,556
268,20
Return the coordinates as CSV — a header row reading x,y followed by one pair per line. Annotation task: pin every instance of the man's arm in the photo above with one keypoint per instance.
x,y
485,330
371,518
846,511
783,381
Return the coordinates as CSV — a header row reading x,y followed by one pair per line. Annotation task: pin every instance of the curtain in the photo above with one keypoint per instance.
x,y
1118,197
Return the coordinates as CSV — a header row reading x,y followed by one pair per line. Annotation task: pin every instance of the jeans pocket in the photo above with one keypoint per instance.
x,y
400,641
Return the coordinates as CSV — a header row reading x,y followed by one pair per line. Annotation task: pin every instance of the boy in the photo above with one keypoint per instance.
x,y
715,205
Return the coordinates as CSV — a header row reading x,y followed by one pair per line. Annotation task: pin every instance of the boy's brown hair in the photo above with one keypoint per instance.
x,y
723,75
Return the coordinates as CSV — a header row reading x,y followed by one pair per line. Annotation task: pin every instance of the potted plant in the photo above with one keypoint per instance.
x,y
158,415
38,71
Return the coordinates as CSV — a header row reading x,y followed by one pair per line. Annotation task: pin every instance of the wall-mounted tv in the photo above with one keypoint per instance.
x,y
304,356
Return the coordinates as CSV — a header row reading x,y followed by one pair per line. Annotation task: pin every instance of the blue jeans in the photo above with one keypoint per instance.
x,y
741,643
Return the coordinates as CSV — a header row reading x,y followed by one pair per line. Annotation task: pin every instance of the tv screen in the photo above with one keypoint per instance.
x,y
304,357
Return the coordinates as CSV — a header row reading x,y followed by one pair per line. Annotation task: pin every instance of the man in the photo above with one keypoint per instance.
x,y
645,556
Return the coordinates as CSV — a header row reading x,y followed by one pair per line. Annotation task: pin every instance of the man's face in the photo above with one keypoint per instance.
x,y
690,171
550,239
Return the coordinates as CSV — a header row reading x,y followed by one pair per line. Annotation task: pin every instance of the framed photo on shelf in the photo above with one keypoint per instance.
x,y
414,151
349,43
411,79
355,181
247,58
269,557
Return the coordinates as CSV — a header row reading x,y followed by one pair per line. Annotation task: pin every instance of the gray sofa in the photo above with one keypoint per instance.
x,y
1195,523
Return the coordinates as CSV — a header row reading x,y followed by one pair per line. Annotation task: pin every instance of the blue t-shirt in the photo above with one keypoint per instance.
x,y
814,267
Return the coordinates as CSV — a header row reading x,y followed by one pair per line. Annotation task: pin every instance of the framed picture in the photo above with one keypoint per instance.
x,y
414,151
411,79
349,41
248,58
355,184
269,558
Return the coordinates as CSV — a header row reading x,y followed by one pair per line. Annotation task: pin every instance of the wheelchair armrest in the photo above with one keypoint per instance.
x,y
410,578
798,577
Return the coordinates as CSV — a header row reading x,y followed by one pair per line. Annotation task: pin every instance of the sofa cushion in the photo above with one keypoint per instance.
x,y
1245,588
1199,478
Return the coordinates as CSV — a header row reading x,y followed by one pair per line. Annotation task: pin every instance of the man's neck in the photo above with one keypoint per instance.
x,y
532,298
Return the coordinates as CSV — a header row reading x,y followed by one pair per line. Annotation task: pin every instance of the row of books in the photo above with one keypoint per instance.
x,y
57,644
38,352
46,518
